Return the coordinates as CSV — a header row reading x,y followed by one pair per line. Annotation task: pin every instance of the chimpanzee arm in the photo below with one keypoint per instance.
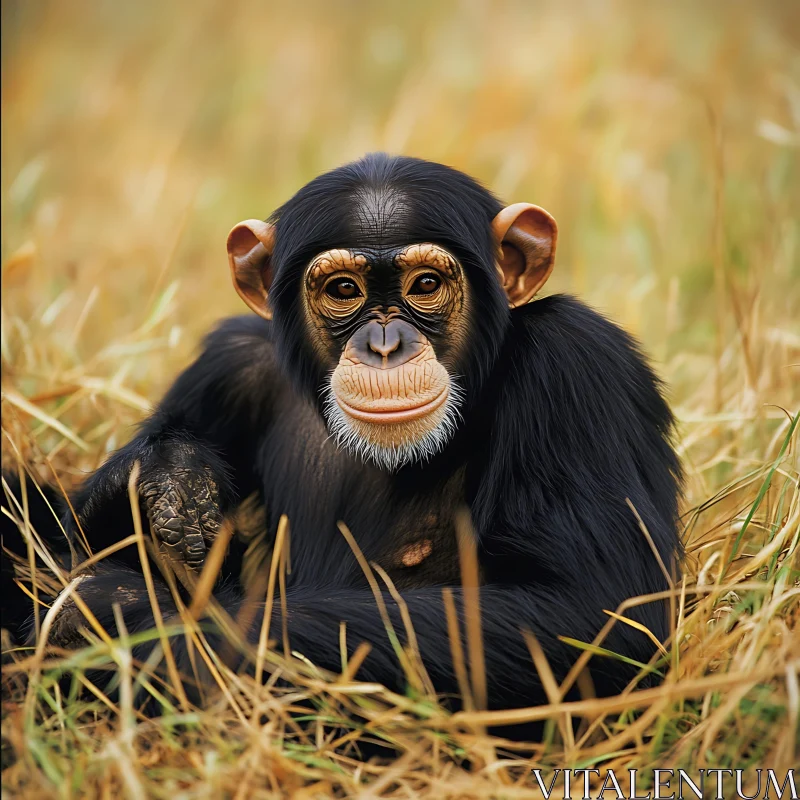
x,y
197,450
314,616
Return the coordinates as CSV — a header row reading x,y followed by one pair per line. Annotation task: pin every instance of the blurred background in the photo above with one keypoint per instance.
x,y
662,136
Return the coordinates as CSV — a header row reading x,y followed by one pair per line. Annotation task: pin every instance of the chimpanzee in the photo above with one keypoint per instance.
x,y
398,369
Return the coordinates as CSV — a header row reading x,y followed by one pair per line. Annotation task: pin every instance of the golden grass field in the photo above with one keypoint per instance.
x,y
664,138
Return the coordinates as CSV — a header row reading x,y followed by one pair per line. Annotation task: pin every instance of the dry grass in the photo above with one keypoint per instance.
x,y
663,137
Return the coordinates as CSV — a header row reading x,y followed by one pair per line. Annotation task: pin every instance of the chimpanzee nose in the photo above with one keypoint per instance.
x,y
383,340
386,345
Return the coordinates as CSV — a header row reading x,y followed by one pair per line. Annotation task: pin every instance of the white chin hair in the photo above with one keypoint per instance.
x,y
391,447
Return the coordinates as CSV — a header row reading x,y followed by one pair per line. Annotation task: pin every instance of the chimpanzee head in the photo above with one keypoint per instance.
x,y
390,281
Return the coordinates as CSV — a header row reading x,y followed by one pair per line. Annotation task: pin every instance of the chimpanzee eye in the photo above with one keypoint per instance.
x,y
343,289
425,284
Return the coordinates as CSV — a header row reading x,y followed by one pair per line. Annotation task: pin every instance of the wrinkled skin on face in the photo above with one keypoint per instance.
x,y
390,398
386,395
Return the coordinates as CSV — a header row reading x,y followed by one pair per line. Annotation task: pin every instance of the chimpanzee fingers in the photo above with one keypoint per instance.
x,y
66,629
98,592
183,505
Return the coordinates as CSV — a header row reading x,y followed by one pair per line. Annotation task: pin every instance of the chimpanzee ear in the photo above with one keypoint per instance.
x,y
250,246
526,236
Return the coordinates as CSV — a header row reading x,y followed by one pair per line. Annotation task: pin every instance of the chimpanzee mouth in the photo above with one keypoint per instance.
x,y
396,438
391,417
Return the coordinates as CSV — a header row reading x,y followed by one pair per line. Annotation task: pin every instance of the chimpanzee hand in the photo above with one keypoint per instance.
x,y
183,504
183,486
109,583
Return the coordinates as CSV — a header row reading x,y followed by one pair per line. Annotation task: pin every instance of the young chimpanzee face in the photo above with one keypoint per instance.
x,y
396,320
390,280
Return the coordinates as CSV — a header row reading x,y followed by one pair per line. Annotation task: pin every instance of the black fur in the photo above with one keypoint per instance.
x,y
563,421
17,610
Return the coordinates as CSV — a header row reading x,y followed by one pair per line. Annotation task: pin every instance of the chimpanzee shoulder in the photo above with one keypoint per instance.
x,y
584,429
565,342
244,335
237,368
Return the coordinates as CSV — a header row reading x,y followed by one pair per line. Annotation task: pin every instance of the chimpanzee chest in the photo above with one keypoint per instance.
x,y
422,549
402,522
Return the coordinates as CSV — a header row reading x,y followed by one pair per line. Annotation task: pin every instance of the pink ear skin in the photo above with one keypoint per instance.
x,y
250,246
526,236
